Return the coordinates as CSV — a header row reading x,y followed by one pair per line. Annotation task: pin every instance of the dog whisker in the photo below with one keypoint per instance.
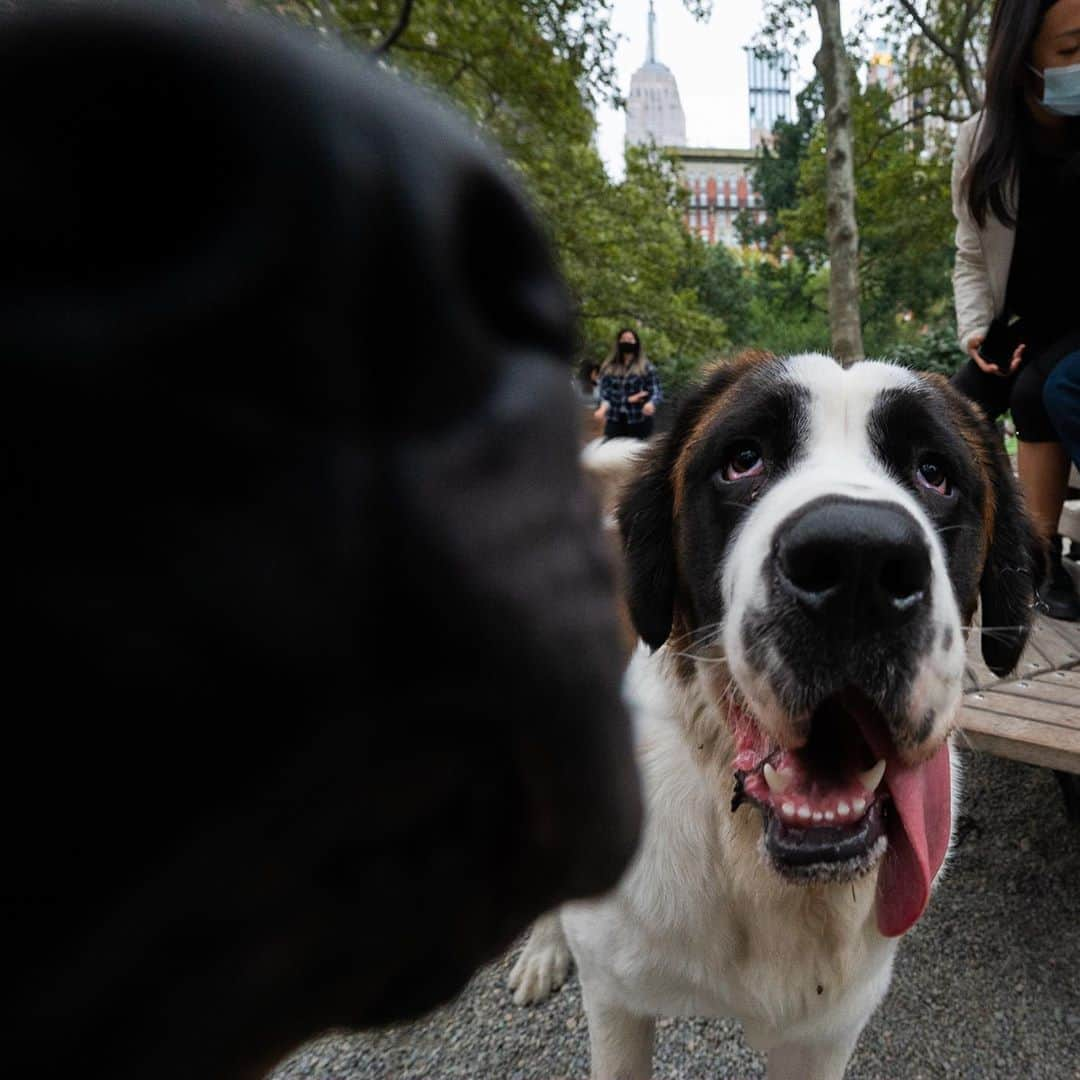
x,y
710,631
997,636
702,659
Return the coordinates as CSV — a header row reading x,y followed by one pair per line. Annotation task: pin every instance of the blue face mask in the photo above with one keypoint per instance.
x,y
1061,89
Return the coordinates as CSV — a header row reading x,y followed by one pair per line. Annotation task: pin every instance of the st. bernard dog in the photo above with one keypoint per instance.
x,y
805,552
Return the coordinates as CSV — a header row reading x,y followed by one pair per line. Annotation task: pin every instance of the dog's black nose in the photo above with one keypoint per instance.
x,y
850,563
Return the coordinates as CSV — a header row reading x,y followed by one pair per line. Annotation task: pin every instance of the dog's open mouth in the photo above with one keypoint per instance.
x,y
844,799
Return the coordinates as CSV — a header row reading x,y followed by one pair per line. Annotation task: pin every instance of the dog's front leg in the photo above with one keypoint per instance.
x,y
812,1061
620,1042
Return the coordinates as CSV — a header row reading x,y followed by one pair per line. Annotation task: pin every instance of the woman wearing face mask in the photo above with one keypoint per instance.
x,y
629,390
1016,197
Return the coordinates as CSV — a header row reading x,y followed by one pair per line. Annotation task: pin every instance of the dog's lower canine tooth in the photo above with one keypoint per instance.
x,y
872,777
778,783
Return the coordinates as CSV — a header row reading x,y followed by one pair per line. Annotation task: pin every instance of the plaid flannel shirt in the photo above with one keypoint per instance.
x,y
615,389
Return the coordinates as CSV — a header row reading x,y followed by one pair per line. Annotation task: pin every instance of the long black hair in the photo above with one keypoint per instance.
x,y
1013,28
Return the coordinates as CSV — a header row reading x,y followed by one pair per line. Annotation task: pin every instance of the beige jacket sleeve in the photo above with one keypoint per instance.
x,y
972,292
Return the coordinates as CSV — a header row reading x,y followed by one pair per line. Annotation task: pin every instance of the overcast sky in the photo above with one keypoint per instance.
x,y
709,65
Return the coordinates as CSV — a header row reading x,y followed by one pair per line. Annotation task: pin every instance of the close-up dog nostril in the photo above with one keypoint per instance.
x,y
846,562
812,568
904,578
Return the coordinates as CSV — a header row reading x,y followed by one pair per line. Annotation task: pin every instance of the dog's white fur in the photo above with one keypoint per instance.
x,y
694,929
699,926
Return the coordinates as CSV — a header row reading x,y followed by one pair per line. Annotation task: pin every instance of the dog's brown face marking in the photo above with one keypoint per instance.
x,y
971,425
728,378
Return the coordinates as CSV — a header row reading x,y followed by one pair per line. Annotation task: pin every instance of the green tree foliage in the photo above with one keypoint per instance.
x,y
776,175
941,49
527,73
632,262
902,165
936,350
724,287
904,211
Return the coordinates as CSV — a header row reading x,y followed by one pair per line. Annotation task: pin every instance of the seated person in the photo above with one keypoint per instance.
x,y
1016,186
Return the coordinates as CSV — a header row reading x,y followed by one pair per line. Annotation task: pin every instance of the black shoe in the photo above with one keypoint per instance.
x,y
1058,594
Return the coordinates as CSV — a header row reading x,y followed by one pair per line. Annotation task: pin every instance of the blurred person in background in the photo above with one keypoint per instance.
x,y
629,390
1016,194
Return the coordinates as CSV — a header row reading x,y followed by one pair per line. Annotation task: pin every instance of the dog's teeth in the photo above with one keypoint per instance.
x,y
778,782
818,815
842,809
872,777
829,815
788,809
804,812
858,805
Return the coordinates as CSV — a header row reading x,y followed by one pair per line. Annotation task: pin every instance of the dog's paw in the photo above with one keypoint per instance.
x,y
543,964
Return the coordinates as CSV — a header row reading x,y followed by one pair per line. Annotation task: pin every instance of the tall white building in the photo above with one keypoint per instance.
x,y
654,112
768,77
718,183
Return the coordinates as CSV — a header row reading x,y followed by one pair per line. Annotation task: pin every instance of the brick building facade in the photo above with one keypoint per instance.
x,y
719,185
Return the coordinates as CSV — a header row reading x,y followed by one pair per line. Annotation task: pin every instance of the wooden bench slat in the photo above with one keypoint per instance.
x,y
1049,736
1020,748
1063,678
1041,690
1056,647
1069,632
1020,708
1034,714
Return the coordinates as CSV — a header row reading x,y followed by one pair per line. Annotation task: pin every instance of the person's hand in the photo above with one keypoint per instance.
x,y
641,395
984,365
648,409
601,412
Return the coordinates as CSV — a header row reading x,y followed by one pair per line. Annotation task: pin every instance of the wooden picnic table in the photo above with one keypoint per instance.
x,y
1034,714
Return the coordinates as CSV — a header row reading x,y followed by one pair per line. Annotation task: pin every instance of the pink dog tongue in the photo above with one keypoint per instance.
x,y
918,839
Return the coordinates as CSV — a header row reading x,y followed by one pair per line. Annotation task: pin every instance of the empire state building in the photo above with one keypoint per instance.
x,y
653,111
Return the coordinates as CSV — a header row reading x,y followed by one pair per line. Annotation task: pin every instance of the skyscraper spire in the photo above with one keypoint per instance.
x,y
653,110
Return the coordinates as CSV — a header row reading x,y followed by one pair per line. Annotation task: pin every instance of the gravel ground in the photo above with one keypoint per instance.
x,y
986,985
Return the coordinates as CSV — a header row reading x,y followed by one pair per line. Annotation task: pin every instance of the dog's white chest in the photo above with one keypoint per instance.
x,y
776,967
697,929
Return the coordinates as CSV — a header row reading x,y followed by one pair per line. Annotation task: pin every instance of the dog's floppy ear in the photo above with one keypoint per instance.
x,y
646,510
1015,564
645,521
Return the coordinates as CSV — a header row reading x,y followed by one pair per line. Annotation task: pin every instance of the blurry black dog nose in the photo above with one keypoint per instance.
x,y
285,402
853,564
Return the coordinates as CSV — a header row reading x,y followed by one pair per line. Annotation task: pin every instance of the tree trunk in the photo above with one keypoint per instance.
x,y
842,230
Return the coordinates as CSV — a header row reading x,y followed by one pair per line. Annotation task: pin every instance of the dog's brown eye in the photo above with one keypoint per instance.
x,y
742,460
931,474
